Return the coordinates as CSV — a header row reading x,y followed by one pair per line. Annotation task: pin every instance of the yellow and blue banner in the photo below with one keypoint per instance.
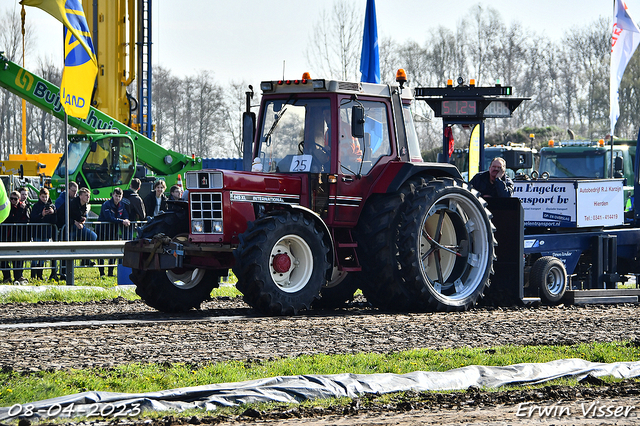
x,y
80,64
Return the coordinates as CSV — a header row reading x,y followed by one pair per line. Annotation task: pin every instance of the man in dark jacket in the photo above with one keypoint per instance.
x,y
43,213
156,201
78,208
133,202
19,213
60,203
114,212
493,182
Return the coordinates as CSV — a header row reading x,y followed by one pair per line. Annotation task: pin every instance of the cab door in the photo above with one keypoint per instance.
x,y
109,164
358,157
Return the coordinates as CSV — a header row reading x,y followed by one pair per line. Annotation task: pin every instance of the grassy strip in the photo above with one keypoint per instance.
x,y
22,388
89,287
86,294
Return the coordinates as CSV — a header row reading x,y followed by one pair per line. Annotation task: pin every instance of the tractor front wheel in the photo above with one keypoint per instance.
x,y
175,290
281,263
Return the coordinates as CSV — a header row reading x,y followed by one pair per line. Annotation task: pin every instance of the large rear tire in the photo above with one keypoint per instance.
x,y
281,263
176,290
377,235
447,246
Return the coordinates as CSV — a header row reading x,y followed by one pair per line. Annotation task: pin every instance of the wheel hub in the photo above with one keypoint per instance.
x,y
291,263
281,263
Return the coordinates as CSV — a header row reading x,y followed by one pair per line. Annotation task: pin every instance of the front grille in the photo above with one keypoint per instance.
x,y
204,180
206,207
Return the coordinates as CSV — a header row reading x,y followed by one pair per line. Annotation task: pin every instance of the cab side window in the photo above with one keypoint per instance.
x,y
359,155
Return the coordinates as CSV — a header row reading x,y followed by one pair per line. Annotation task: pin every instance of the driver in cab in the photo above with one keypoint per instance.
x,y
350,152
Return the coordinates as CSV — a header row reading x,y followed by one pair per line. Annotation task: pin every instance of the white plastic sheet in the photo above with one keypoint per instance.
x,y
292,389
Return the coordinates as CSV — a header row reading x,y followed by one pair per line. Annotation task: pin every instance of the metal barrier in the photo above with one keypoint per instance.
x,y
41,247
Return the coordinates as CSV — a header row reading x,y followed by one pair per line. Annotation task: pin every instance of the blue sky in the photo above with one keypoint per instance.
x,y
249,39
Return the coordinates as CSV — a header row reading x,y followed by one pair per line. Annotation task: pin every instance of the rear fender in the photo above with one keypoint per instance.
x,y
397,173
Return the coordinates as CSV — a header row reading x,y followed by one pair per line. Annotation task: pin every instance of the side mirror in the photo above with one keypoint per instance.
x,y
357,121
618,167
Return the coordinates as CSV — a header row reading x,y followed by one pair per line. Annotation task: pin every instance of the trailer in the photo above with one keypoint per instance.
x,y
563,238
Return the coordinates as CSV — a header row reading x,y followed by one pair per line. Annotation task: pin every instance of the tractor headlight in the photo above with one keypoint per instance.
x,y
197,227
217,228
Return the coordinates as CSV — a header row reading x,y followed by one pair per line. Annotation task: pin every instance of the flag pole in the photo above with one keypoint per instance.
x,y
611,166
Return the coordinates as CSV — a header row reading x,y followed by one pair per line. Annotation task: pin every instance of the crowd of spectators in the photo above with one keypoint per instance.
x,y
114,221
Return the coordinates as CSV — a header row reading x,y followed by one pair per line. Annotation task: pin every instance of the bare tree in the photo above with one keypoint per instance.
x,y
234,104
335,47
486,28
629,100
167,106
12,42
590,47
44,131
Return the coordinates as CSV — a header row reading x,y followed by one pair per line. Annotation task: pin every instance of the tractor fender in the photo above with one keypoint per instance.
x,y
398,173
327,233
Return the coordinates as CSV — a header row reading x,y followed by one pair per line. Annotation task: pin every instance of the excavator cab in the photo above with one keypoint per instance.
x,y
99,162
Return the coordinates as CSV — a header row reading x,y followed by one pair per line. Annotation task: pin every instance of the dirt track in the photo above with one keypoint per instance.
x,y
356,329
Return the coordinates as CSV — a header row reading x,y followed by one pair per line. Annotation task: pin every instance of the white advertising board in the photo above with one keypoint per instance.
x,y
600,203
571,203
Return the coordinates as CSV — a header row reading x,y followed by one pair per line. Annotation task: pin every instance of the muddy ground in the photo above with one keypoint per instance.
x,y
227,329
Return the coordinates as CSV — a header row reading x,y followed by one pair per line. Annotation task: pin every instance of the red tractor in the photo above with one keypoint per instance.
x,y
334,196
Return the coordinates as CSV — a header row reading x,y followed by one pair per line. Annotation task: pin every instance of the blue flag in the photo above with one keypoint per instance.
x,y
370,58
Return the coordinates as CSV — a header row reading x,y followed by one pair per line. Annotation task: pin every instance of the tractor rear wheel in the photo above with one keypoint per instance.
x,y
377,235
447,246
281,263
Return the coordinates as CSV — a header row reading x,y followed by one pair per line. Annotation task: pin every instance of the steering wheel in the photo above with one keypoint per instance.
x,y
301,148
322,149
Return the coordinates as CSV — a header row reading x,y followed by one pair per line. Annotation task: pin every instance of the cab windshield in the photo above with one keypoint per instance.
x,y
76,152
292,137
578,164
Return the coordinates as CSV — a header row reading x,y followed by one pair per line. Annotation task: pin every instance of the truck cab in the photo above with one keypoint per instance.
x,y
589,160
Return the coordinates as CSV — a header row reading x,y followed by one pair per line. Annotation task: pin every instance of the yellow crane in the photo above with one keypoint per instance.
x,y
121,33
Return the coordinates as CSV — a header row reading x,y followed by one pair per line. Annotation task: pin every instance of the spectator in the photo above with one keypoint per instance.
x,y
114,212
60,203
175,194
24,194
493,182
5,204
156,201
133,202
43,213
19,214
78,208
61,207
73,190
